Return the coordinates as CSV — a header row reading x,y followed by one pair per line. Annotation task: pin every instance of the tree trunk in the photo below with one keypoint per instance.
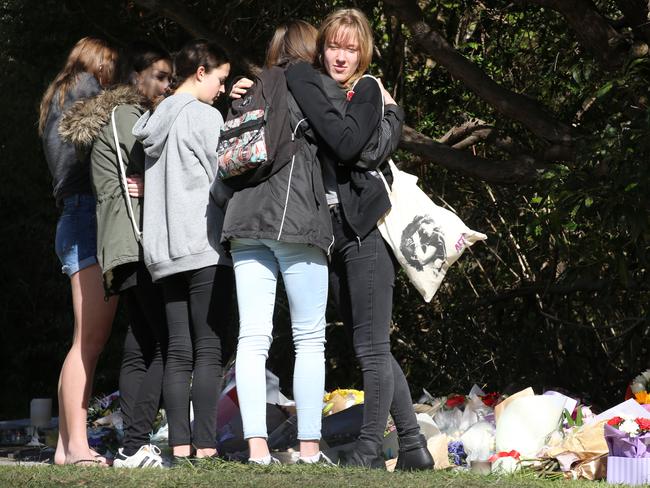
x,y
593,31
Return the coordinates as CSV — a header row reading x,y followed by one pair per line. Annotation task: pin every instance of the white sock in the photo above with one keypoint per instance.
x,y
266,460
311,459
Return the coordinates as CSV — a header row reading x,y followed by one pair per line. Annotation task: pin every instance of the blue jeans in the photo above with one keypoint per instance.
x,y
76,234
304,271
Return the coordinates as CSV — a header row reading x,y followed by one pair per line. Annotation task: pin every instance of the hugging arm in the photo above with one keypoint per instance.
x,y
346,135
384,140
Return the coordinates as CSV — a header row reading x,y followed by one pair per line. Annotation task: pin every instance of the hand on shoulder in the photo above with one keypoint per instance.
x,y
388,99
240,88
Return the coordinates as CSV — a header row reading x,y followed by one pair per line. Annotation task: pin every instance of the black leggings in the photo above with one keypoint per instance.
x,y
198,305
142,367
362,277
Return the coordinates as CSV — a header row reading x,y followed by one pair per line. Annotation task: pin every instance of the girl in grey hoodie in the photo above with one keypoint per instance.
x,y
181,233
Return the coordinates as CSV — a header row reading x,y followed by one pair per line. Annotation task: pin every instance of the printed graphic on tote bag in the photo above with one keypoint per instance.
x,y
425,238
423,245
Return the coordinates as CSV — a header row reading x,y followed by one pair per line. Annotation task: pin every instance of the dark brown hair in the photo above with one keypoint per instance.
x,y
292,41
194,54
137,57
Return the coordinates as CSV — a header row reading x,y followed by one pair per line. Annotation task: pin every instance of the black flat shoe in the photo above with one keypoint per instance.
x,y
182,461
413,454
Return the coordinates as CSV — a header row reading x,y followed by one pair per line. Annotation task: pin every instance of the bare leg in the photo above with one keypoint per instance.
x,y
309,448
93,320
182,450
258,448
205,452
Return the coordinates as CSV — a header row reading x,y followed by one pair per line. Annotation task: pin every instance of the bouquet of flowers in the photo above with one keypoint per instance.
x,y
639,387
627,437
102,406
490,399
340,399
455,401
628,441
580,416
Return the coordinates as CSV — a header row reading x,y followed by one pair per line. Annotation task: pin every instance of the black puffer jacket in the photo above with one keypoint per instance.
x,y
290,206
345,130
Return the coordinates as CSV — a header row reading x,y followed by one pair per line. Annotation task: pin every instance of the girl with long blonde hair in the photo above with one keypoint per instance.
x,y
89,67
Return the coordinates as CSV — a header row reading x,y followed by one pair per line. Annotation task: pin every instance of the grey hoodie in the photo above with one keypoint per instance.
x,y
181,227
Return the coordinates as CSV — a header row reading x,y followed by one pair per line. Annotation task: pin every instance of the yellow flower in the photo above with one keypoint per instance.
x,y
341,399
642,397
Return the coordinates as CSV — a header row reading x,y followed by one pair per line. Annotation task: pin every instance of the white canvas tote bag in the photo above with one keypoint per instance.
x,y
425,238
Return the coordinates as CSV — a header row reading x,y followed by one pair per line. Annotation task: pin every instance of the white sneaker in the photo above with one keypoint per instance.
x,y
319,458
267,461
148,456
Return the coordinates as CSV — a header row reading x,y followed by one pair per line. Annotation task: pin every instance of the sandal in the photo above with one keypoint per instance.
x,y
89,462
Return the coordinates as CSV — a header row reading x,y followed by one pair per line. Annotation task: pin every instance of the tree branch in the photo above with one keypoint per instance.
x,y
179,13
475,130
513,105
593,31
460,132
510,171
518,170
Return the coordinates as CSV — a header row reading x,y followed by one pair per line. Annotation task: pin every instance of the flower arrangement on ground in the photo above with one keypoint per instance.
x,y
628,441
639,387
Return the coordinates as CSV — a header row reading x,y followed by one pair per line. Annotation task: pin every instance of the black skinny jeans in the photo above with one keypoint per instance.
x,y
198,305
362,278
141,372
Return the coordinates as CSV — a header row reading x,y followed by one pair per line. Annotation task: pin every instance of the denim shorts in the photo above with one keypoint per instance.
x,y
76,234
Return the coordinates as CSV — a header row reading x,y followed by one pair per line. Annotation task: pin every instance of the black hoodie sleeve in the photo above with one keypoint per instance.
x,y
346,135
384,140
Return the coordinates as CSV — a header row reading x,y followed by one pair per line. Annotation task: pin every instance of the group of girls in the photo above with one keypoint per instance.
x,y
165,246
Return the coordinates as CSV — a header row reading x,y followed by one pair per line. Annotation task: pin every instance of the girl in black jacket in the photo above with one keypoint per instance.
x,y
362,270
282,225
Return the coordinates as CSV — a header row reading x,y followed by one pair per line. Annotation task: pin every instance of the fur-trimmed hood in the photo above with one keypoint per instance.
x,y
82,123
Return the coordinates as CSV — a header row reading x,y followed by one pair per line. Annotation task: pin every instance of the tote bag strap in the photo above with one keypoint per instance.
x,y
123,182
377,81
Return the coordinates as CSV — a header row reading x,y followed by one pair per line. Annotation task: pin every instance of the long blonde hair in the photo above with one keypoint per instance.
x,y
292,41
354,20
90,54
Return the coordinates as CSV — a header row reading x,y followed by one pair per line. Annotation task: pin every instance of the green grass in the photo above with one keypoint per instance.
x,y
226,475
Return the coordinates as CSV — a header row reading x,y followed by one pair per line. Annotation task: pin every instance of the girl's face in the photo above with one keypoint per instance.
x,y
153,81
342,55
211,84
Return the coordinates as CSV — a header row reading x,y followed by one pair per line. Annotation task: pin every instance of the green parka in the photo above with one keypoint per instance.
x,y
88,125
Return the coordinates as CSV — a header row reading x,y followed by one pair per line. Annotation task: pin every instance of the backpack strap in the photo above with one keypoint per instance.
x,y
123,182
